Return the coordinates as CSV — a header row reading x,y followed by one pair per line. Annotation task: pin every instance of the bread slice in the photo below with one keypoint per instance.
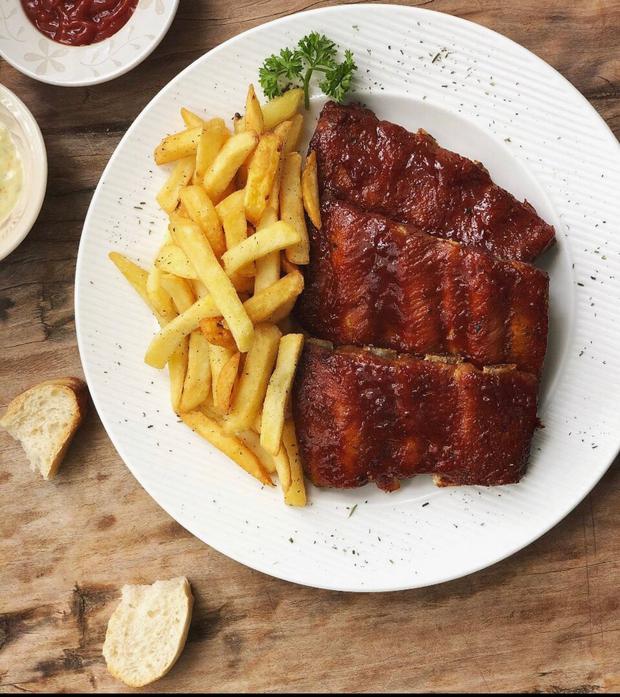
x,y
45,418
147,631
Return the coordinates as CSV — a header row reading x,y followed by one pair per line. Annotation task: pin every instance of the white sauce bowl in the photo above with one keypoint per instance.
x,y
26,135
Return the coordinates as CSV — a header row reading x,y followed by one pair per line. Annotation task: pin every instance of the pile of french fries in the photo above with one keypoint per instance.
x,y
226,278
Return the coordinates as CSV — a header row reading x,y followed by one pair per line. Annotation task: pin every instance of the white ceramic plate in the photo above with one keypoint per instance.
x,y
484,96
35,55
28,141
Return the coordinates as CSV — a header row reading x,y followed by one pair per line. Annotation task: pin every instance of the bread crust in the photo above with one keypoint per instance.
x,y
78,391
116,626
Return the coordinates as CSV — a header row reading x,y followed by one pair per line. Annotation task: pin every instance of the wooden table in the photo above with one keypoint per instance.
x,y
548,619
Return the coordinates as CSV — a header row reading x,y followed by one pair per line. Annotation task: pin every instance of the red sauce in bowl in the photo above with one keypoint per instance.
x,y
78,22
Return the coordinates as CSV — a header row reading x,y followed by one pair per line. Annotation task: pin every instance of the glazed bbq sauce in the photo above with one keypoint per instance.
x,y
79,22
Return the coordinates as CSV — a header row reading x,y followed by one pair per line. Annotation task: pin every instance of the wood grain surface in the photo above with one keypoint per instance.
x,y
547,620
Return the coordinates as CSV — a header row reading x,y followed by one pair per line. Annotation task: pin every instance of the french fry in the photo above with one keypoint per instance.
x,y
201,210
208,409
278,392
200,290
178,145
254,378
197,385
261,306
235,204
280,315
252,441
165,343
227,162
172,259
211,431
310,190
295,495
223,388
282,108
279,461
283,468
190,119
275,301
231,213
238,124
274,195
191,239
214,135
218,357
136,275
158,297
278,236
253,113
262,170
243,284
177,369
180,290
292,209
268,266
257,422
293,134
181,175
287,265
216,332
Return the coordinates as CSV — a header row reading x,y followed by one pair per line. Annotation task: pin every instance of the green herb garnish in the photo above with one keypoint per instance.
x,y
294,68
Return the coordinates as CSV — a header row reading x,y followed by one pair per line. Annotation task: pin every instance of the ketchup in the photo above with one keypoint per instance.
x,y
79,22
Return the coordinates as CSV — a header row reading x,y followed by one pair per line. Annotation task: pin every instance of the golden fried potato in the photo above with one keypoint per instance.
x,y
282,108
253,113
236,450
178,145
223,388
292,208
216,331
195,245
278,236
262,170
201,210
227,162
197,385
267,266
278,392
254,378
295,495
310,190
214,135
181,175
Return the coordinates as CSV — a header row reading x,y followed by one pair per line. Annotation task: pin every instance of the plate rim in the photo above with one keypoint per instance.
x,y
540,532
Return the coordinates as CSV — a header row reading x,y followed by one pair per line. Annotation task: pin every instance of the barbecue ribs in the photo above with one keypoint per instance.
x,y
372,281
364,417
382,167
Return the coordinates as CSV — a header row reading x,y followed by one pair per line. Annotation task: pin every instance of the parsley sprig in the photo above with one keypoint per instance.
x,y
294,68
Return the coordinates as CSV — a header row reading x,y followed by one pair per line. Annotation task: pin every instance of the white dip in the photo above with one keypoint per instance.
x,y
11,173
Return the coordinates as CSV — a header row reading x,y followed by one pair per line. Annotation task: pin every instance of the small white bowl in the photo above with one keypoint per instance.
x,y
28,140
32,53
